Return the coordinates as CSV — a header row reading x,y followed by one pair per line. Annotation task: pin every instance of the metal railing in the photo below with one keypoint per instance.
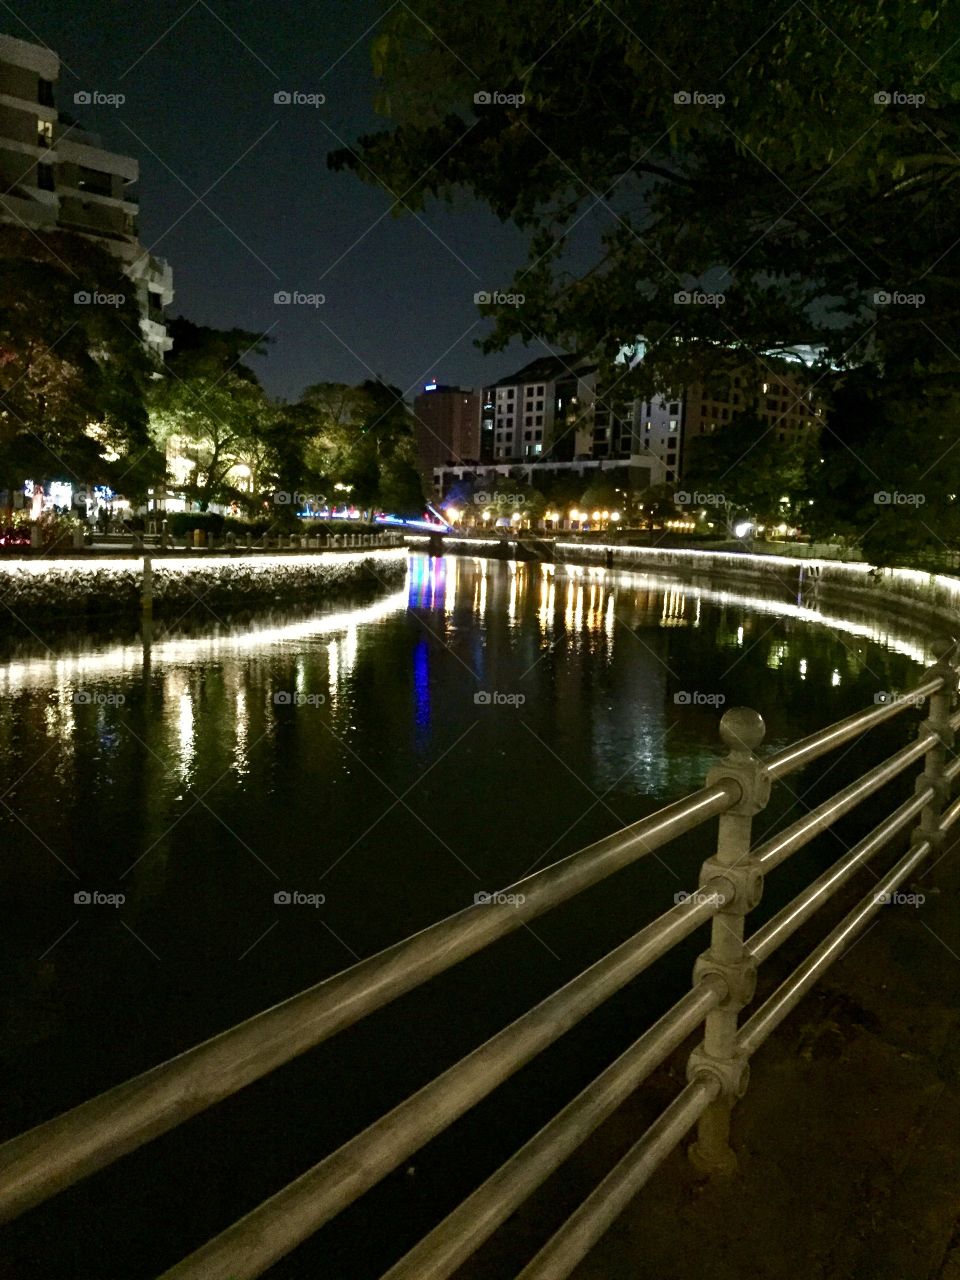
x,y
52,1156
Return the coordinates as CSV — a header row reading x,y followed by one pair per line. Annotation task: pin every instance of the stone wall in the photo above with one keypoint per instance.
x,y
83,588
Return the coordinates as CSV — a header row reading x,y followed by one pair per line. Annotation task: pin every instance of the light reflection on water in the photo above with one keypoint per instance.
x,y
512,623
379,781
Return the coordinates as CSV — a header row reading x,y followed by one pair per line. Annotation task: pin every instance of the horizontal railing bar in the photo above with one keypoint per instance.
x,y
778,848
276,1226
587,1224
835,735
464,1230
39,1163
790,992
786,922
950,816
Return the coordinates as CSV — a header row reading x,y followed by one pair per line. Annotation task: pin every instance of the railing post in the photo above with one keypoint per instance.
x,y
741,730
146,587
939,710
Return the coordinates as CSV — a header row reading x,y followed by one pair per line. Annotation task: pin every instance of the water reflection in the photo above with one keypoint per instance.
x,y
348,753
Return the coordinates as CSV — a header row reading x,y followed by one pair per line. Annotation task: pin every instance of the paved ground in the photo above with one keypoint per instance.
x,y
849,1139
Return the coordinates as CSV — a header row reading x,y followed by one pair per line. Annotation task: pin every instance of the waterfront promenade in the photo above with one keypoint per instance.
x,y
848,1139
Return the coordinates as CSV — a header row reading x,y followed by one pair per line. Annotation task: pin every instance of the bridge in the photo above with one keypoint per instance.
x,y
720,1009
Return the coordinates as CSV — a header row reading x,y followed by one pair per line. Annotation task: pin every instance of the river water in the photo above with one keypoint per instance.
x,y
378,761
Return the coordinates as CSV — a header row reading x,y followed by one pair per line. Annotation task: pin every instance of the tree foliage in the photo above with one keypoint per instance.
x,y
73,371
804,168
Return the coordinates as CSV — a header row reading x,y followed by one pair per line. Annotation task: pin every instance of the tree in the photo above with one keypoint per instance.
x,y
212,404
603,494
742,470
759,186
362,437
73,370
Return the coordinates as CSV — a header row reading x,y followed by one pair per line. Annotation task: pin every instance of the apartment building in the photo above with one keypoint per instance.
x,y
57,176
667,428
446,426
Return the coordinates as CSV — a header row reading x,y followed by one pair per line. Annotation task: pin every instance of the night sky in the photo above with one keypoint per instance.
x,y
199,80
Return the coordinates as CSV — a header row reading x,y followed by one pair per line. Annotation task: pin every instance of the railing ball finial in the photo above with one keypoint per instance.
x,y
742,729
943,647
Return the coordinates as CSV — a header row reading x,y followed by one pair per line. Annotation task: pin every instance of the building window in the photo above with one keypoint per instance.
x,y
44,133
675,408
45,92
509,393
539,406
45,177
538,435
539,420
673,424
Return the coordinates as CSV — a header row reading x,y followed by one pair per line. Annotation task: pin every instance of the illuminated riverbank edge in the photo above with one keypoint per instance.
x,y
84,588
899,590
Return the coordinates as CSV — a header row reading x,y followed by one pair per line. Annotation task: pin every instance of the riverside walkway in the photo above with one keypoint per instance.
x,y
848,1139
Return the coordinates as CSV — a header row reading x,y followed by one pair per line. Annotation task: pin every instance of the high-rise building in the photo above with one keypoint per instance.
x,y
56,176
552,410
777,392
446,426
